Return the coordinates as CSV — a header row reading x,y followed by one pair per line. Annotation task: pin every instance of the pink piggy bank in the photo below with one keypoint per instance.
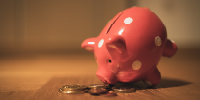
x,y
130,46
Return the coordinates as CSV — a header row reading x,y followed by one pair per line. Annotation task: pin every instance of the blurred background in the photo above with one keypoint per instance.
x,y
57,26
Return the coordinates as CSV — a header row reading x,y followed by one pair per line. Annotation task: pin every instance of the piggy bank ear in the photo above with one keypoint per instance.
x,y
116,46
88,44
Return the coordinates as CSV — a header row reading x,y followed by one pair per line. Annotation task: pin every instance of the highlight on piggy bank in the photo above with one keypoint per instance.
x,y
130,46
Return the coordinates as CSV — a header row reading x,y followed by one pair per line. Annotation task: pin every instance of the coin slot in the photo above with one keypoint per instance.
x,y
115,19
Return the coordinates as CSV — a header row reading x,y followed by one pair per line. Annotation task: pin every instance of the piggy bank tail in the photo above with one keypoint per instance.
x,y
169,49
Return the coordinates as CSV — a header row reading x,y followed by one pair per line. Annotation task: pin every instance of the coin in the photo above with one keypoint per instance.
x,y
123,89
97,91
97,86
74,87
110,94
71,91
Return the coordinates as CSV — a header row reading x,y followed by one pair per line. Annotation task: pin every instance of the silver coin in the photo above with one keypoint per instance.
x,y
72,91
97,86
97,91
123,89
74,87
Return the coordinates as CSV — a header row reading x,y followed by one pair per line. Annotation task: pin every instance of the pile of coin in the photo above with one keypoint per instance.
x,y
97,89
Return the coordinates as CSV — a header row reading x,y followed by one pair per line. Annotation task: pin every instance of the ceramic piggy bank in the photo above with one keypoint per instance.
x,y
130,46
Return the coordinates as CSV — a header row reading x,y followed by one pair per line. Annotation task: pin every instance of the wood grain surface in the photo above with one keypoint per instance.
x,y
38,77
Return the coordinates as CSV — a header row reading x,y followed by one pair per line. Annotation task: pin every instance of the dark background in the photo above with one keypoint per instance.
x,y
62,25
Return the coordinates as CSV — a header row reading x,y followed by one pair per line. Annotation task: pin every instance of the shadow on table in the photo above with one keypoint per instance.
x,y
168,82
165,83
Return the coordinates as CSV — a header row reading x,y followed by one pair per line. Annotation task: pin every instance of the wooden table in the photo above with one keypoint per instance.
x,y
39,76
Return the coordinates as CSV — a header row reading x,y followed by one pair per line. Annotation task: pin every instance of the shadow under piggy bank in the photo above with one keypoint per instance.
x,y
165,83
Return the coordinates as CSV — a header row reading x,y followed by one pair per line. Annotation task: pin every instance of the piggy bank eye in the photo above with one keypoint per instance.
x,y
109,61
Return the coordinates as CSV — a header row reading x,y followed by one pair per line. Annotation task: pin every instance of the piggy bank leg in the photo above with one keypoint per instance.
x,y
153,78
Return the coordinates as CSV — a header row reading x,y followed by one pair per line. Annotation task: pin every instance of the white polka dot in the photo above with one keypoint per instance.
x,y
136,65
91,43
158,41
128,20
148,83
101,43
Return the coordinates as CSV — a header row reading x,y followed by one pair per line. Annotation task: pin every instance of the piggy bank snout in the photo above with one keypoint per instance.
x,y
108,78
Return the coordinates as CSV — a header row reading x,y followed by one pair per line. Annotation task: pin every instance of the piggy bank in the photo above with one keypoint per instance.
x,y
130,46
